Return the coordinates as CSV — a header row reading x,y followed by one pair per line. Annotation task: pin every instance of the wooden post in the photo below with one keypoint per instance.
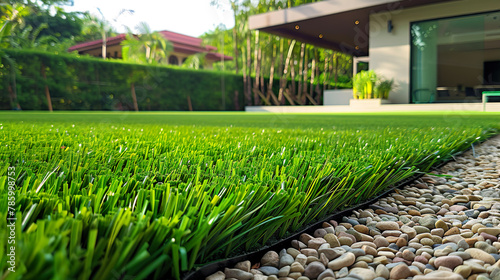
x,y
134,97
47,92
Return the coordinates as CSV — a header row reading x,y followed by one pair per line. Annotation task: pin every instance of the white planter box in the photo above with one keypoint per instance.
x,y
368,102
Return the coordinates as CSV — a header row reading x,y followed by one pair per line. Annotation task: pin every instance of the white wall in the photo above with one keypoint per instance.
x,y
337,96
390,52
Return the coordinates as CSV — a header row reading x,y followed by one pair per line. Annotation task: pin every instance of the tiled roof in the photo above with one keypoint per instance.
x,y
181,43
92,44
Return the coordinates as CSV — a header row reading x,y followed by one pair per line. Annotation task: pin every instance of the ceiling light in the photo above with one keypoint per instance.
x,y
320,35
297,26
356,22
357,48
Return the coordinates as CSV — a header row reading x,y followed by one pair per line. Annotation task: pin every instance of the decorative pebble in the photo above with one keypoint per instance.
x,y
400,271
435,228
345,260
314,269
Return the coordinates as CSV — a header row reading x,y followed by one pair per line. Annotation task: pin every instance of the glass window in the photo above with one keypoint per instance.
x,y
455,59
173,60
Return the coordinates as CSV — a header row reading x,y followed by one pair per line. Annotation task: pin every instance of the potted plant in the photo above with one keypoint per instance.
x,y
362,84
383,87
370,89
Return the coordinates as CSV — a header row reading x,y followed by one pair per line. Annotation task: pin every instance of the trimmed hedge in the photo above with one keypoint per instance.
x,y
86,83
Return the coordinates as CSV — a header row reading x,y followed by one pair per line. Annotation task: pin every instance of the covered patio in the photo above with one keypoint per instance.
x,y
436,51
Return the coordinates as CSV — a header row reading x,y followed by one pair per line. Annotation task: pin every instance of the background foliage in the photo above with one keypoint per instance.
x,y
81,83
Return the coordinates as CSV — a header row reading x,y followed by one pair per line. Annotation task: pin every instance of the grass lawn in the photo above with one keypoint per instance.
x,y
151,195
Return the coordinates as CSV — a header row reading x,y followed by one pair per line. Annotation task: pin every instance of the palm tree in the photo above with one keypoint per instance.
x,y
94,25
147,47
195,61
11,16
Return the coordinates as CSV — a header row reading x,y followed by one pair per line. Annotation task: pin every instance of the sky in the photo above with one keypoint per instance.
x,y
189,17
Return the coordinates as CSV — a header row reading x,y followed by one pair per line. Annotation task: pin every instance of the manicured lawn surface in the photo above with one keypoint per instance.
x,y
149,195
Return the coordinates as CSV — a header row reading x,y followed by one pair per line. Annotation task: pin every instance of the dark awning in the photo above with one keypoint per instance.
x,y
341,25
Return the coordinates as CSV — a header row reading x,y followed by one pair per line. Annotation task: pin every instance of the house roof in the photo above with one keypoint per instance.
x,y
181,43
341,25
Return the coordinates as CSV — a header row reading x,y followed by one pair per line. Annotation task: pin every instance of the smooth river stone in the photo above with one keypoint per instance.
x,y
331,253
315,243
345,260
219,275
448,261
285,260
411,232
388,225
481,255
297,267
382,271
428,222
271,258
381,242
362,273
269,270
237,274
332,240
328,273
491,231
439,275
463,270
314,269
401,271
302,259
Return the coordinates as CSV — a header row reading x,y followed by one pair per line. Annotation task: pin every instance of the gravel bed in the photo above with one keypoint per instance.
x,y
434,228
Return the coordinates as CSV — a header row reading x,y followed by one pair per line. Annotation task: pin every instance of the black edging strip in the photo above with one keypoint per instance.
x,y
255,256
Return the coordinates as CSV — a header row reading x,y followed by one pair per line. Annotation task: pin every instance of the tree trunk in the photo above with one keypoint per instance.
x,y
257,54
47,92
301,70
246,80
104,45
249,67
326,75
313,72
190,105
285,73
330,70
305,76
317,88
336,70
270,92
235,37
280,69
134,97
236,101
293,87
12,88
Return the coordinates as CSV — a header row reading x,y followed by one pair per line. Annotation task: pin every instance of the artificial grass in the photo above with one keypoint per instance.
x,y
150,195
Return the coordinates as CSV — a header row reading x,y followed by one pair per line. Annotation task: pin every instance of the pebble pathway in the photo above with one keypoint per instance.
x,y
435,228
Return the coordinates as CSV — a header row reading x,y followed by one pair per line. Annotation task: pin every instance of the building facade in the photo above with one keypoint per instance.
x,y
183,45
436,51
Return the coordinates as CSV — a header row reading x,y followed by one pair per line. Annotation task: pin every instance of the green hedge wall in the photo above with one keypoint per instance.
x,y
85,83
88,83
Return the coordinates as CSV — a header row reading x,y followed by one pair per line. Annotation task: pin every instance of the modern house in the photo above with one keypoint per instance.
x,y
445,51
184,46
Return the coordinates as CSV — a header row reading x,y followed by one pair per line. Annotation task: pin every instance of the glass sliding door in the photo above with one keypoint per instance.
x,y
455,59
